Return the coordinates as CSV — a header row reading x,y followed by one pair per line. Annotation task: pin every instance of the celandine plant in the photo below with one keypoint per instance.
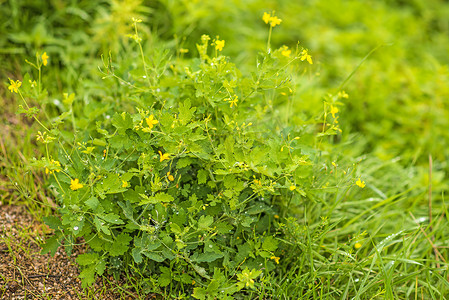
x,y
191,181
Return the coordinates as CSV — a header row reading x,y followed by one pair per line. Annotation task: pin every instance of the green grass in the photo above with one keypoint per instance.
x,y
396,116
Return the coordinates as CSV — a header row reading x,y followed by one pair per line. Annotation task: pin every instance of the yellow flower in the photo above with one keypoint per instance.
x,y
357,245
75,184
276,216
170,177
47,171
151,121
125,184
45,58
360,183
275,21
334,110
234,102
219,45
164,156
334,164
14,85
292,188
342,94
266,17
305,56
285,51
276,259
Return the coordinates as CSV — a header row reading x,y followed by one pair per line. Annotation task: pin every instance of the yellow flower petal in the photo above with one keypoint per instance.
x,y
164,156
360,183
45,58
275,21
266,17
151,121
219,45
75,184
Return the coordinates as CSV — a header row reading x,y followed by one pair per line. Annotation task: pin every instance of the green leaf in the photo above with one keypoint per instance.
x,y
87,276
184,162
204,222
175,228
51,245
101,266
158,198
127,210
53,222
101,226
270,243
120,245
201,271
87,258
154,256
137,255
202,176
185,112
207,257
111,218
165,278
31,112
122,121
98,142
199,293
92,203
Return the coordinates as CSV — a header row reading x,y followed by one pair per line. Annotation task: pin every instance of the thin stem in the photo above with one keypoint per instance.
x,y
143,56
34,117
269,39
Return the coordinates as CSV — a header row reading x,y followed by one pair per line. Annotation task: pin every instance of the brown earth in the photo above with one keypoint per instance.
x,y
26,274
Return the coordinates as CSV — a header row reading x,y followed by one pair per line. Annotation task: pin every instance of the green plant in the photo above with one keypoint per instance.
x,y
190,180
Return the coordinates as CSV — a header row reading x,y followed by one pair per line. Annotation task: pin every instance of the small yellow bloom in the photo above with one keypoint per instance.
x,y
334,110
342,94
45,58
275,21
14,85
219,45
285,51
305,56
276,216
151,121
276,259
125,184
234,102
266,17
360,183
182,50
47,171
334,164
292,188
170,177
75,184
164,156
357,245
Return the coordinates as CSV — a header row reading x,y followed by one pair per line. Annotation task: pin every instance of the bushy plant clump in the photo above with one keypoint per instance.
x,y
186,172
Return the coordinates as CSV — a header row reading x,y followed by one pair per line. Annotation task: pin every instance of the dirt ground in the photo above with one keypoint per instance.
x,y
26,274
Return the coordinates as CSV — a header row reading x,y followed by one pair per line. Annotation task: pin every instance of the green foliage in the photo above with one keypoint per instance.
x,y
223,177
194,179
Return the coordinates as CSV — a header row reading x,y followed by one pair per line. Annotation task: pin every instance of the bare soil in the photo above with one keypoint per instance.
x,y
26,274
